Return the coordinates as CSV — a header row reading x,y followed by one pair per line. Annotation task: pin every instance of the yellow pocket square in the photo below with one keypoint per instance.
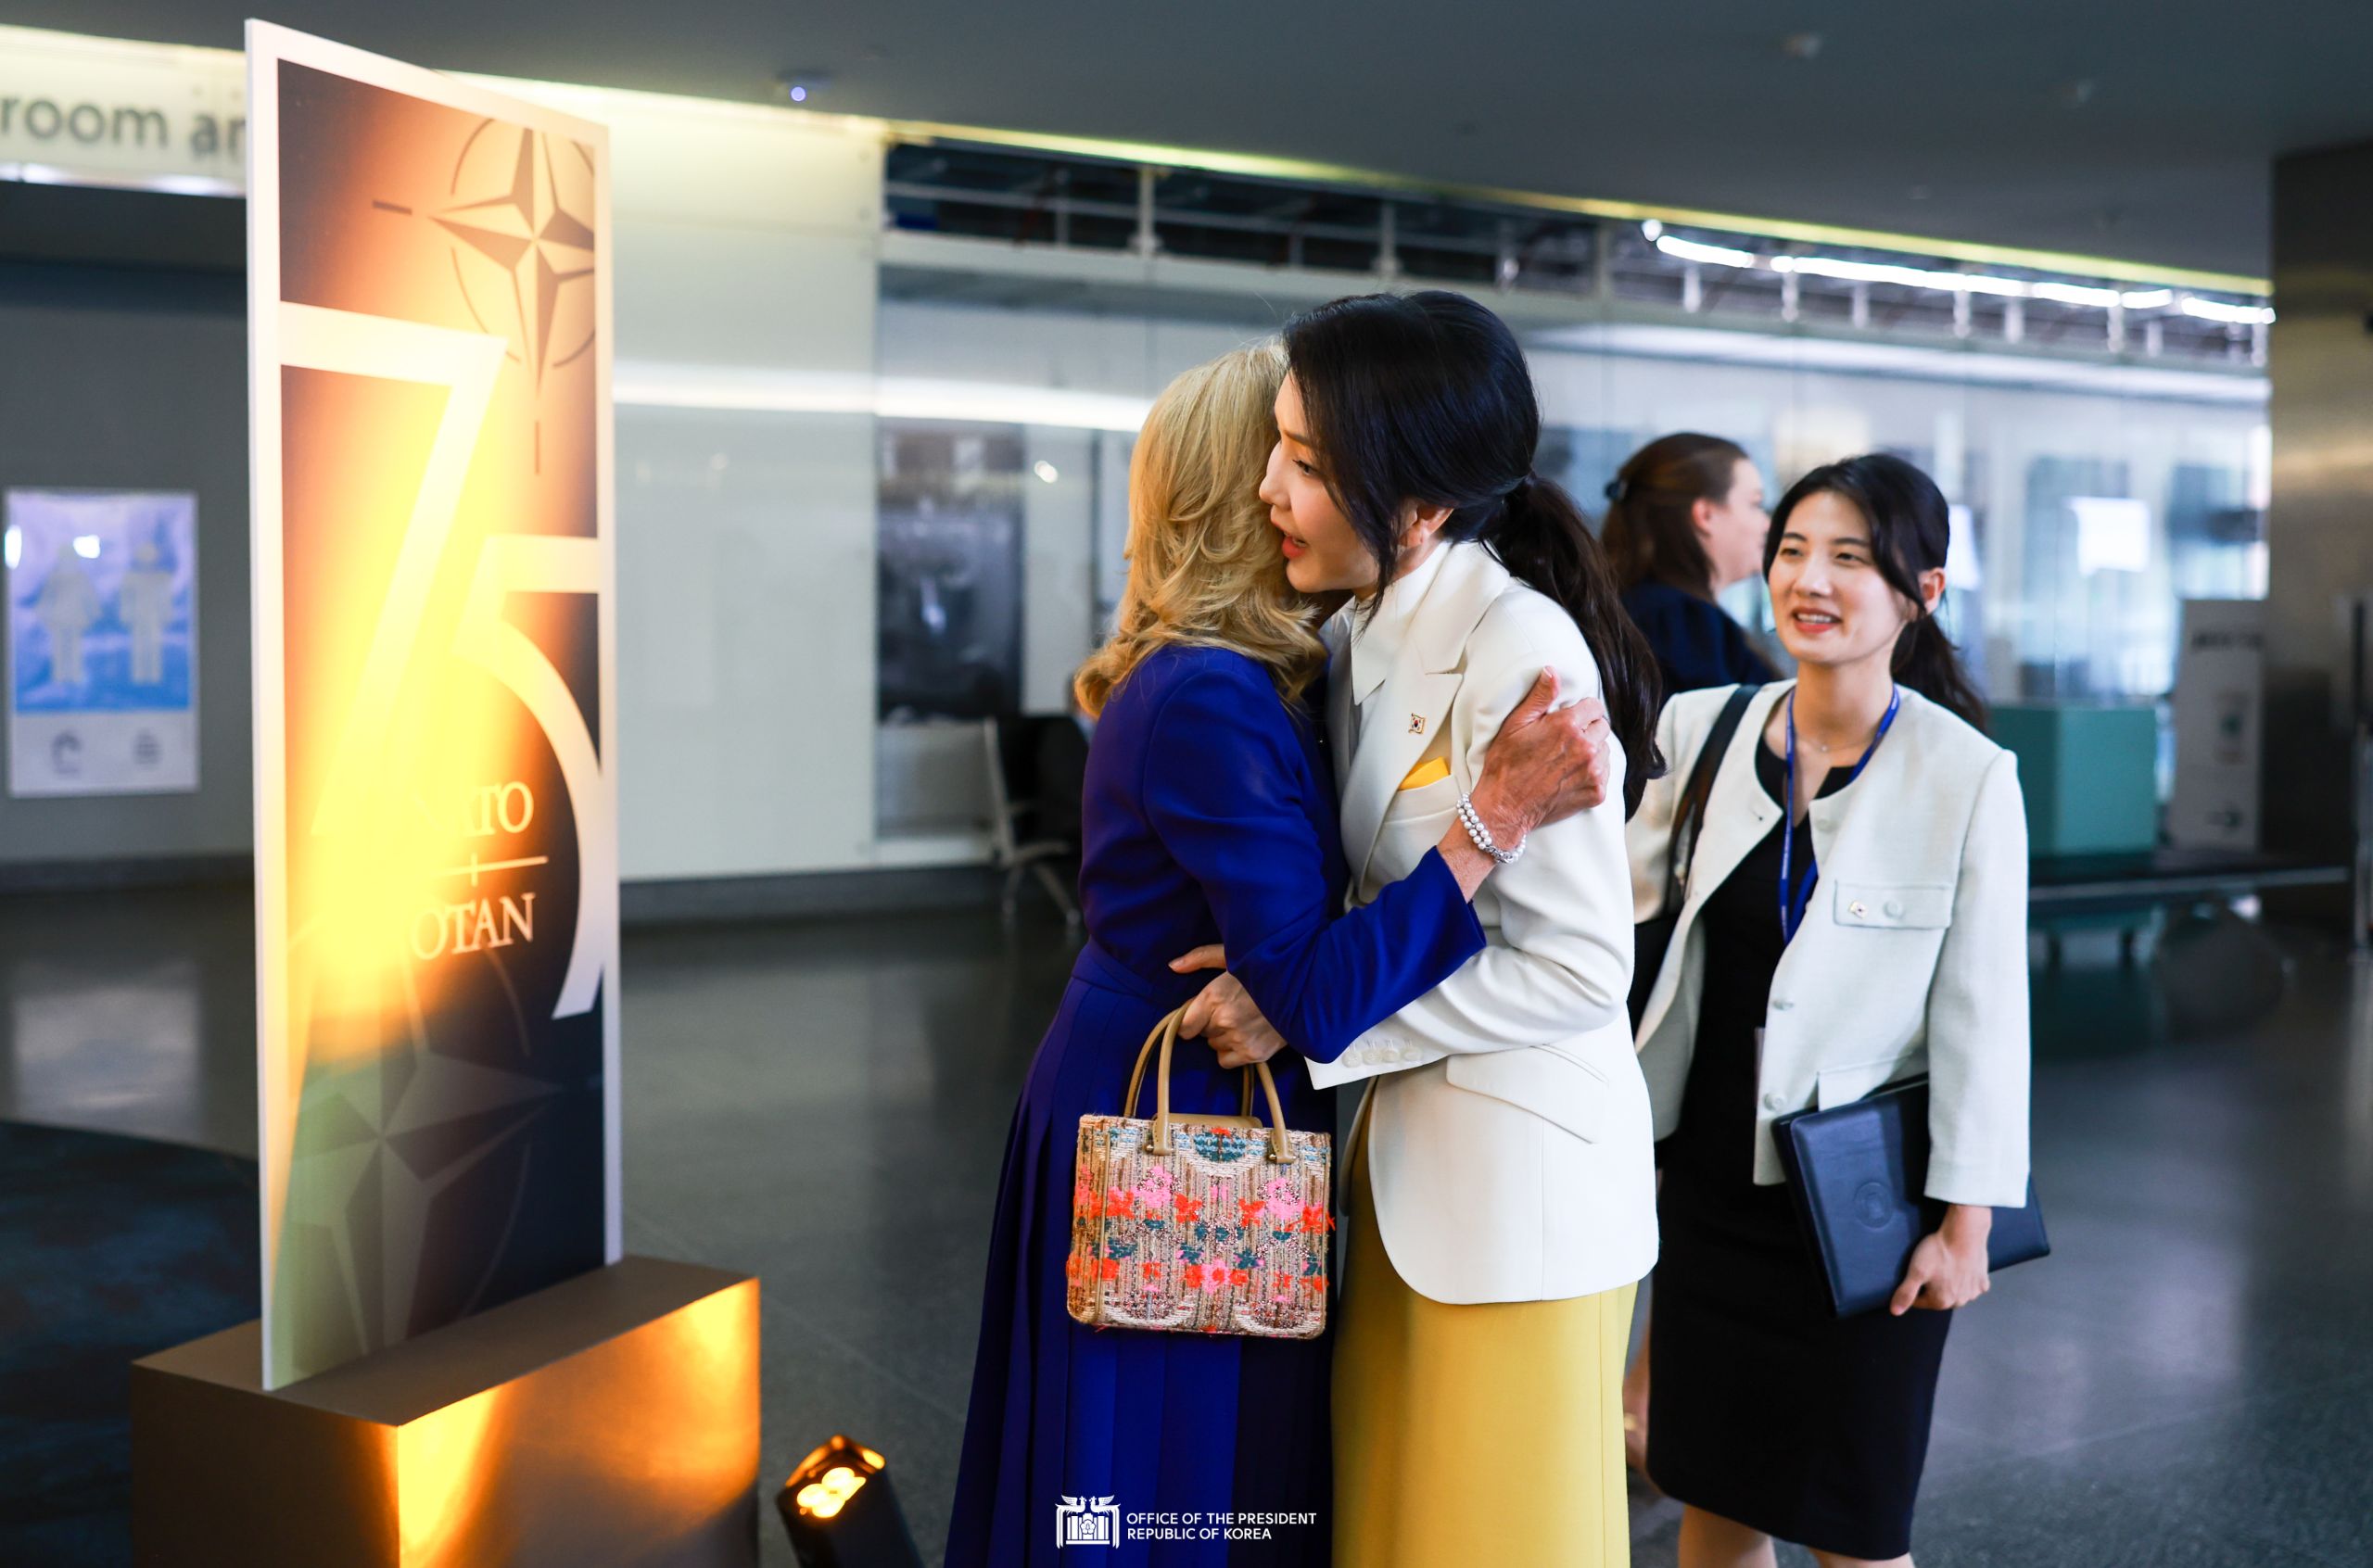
x,y
1424,773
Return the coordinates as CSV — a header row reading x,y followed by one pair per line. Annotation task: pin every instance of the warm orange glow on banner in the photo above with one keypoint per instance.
x,y
437,882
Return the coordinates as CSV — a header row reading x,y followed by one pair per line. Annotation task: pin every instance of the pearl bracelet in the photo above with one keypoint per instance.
x,y
1473,821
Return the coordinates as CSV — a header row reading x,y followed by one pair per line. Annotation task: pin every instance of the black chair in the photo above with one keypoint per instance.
x,y
1036,780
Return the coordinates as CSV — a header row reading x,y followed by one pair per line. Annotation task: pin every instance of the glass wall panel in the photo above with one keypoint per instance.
x,y
2084,511
949,564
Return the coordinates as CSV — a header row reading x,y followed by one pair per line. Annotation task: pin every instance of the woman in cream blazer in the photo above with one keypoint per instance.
x,y
1912,956
1854,913
1507,1123
1499,1178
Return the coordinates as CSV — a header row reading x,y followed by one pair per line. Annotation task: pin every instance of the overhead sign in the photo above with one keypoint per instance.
x,y
436,832
104,111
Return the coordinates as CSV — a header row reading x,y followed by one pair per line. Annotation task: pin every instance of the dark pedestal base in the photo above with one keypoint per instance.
x,y
610,1420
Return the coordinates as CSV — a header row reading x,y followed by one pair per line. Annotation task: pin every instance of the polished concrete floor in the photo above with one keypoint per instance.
x,y
2188,1381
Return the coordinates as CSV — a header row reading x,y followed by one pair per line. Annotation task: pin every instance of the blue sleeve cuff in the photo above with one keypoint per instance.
x,y
1438,931
1462,932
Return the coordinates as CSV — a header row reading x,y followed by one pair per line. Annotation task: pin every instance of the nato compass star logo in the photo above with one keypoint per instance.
x,y
523,255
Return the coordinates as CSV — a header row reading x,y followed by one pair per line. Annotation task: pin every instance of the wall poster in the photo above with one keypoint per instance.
x,y
436,834
102,633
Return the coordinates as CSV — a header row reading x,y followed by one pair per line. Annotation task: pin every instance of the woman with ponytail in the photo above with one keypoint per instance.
x,y
1499,1172
1854,913
1684,520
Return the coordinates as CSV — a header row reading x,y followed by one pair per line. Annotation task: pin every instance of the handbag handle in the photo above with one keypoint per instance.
x,y
1138,1074
1166,1031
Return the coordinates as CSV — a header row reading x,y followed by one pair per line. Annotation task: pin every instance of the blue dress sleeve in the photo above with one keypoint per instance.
x,y
1223,789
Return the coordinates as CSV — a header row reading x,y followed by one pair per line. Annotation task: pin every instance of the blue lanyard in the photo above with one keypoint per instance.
x,y
1795,898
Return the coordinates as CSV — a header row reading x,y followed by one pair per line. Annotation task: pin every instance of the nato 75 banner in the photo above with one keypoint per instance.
x,y
436,843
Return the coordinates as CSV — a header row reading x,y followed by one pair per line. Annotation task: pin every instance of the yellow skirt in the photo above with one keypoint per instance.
x,y
1488,1434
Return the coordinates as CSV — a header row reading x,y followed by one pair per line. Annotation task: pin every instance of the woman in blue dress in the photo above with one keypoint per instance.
x,y
1210,818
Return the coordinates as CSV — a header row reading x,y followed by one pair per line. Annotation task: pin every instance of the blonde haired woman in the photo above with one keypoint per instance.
x,y
1209,818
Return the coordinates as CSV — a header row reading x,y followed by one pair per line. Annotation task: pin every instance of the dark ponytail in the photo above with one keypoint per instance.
x,y
1910,531
1649,527
1543,540
1926,661
1427,397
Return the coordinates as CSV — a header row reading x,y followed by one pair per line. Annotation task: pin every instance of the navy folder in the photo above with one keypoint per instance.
x,y
1855,1173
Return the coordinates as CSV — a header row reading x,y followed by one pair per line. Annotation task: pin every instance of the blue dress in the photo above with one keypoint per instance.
x,y
1209,816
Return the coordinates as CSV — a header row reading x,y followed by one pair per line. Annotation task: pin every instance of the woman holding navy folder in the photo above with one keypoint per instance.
x,y
1854,913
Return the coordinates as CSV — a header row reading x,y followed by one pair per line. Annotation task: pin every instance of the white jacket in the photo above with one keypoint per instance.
x,y
1912,955
1507,1126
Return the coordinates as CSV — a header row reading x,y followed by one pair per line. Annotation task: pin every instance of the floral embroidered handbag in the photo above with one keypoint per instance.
x,y
1211,1224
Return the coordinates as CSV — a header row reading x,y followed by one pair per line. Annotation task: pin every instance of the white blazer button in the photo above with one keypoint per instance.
x,y
1856,909
1895,910
1773,1102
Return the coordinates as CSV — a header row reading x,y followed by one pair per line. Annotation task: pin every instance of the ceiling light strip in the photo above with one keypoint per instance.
x,y
113,180
743,389
1697,252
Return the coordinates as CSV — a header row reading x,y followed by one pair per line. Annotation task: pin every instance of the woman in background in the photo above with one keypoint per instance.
x,y
1684,521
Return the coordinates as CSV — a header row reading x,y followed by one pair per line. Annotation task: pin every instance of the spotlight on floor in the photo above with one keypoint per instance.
x,y
842,1511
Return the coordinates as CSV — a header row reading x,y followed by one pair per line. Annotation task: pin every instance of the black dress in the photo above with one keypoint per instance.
x,y
1695,641
1763,1408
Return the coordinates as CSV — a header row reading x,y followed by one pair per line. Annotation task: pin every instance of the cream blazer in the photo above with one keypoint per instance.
x,y
1912,957
1507,1126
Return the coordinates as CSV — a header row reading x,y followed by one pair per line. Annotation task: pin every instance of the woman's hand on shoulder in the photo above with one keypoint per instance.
x,y
1546,763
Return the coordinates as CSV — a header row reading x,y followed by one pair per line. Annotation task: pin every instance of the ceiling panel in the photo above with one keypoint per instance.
x,y
2113,128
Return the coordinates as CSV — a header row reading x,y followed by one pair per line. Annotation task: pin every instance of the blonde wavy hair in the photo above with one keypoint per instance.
x,y
1204,566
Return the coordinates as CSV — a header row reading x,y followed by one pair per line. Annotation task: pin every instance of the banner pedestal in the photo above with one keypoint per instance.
x,y
611,1418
